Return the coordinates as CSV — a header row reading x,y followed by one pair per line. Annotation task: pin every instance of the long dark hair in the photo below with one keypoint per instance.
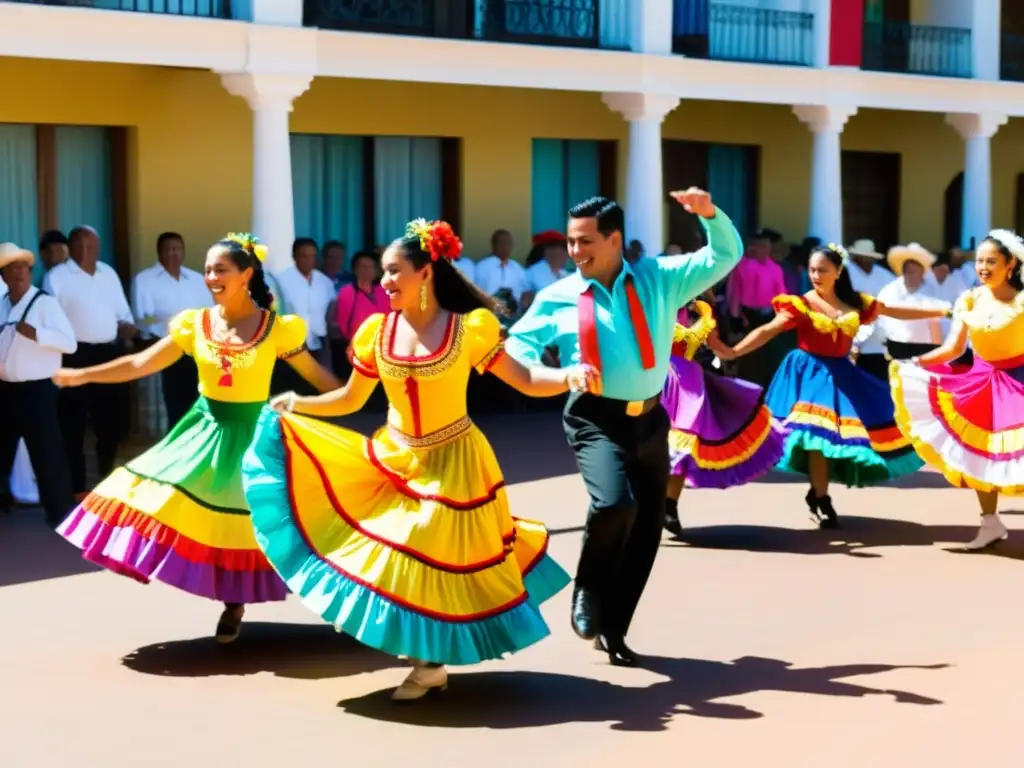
x,y
454,293
843,287
242,250
1015,275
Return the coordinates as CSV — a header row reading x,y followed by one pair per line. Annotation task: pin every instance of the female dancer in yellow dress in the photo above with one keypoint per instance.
x,y
405,540
970,424
177,513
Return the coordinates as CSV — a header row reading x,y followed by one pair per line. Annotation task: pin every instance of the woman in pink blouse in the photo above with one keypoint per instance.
x,y
361,298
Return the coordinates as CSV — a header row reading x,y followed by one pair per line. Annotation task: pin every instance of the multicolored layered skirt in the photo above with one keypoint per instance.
x,y
178,514
830,406
969,425
721,434
406,544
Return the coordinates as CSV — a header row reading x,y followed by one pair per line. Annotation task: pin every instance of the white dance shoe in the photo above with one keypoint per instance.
x,y
991,531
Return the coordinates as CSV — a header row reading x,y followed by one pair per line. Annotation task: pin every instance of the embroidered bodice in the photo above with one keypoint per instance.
x,y
237,373
428,393
821,334
686,341
996,330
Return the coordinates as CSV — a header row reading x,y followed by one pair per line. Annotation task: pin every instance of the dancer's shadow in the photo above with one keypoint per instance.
x,y
694,687
857,535
915,481
30,550
299,651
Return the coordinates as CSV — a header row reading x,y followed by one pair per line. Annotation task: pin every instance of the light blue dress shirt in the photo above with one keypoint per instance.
x,y
664,285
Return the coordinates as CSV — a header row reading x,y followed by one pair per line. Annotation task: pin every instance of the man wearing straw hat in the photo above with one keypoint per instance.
x,y
34,334
905,339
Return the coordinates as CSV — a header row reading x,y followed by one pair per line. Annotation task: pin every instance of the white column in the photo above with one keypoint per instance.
x,y
826,124
822,32
986,38
270,97
645,195
977,132
650,26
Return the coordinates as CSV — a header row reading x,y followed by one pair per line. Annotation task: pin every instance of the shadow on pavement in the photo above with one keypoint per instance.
x,y
857,535
694,687
31,551
920,480
297,651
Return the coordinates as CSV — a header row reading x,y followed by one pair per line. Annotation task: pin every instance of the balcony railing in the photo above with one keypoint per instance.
x,y
739,33
917,49
541,22
217,9
1011,52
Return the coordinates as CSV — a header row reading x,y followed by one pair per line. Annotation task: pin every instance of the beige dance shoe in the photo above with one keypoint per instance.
x,y
420,682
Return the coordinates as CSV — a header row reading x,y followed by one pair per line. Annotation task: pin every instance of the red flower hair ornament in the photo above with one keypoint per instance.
x,y
437,238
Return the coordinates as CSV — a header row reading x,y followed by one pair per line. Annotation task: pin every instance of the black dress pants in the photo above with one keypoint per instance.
x,y
181,388
104,407
624,463
30,414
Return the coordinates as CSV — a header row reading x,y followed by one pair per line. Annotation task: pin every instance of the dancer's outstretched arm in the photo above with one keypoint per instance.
x,y
541,381
308,368
758,337
954,346
163,354
338,402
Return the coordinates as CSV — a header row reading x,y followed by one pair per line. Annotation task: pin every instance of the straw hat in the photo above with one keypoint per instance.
x,y
865,248
10,253
901,254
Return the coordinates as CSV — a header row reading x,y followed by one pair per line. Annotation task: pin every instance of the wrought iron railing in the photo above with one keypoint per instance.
x,y
1011,62
542,22
740,33
217,9
916,49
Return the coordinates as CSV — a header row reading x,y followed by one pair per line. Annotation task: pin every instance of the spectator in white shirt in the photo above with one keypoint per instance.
x,y
159,293
498,275
545,264
868,276
308,293
93,299
34,334
905,339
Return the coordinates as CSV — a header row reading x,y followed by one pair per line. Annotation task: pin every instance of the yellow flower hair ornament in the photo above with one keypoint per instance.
x,y
838,249
249,242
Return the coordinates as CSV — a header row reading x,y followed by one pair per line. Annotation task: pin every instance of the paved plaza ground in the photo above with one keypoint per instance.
x,y
768,643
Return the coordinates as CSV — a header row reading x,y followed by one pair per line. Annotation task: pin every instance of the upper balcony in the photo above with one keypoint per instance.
x,y
215,9
731,31
917,49
574,23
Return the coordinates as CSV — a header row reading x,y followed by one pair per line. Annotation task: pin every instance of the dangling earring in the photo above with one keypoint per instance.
x,y
423,297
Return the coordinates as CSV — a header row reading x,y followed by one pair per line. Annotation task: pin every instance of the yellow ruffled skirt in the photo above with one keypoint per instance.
x,y
406,544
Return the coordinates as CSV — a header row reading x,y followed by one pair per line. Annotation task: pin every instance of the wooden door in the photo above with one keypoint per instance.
x,y
871,197
953,213
684,164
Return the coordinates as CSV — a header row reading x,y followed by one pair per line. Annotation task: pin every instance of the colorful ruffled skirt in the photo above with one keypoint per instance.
x,y
721,434
177,513
406,544
969,425
832,407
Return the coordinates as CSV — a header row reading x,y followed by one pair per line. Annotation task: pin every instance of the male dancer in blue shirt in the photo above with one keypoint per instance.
x,y
619,318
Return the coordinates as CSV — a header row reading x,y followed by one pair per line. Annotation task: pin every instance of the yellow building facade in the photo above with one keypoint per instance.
x,y
189,145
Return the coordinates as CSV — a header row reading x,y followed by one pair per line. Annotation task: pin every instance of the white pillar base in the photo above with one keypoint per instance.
x,y
645,196
977,131
826,123
273,216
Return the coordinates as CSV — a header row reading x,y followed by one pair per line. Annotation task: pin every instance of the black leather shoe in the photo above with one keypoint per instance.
x,y
584,613
619,654
671,519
